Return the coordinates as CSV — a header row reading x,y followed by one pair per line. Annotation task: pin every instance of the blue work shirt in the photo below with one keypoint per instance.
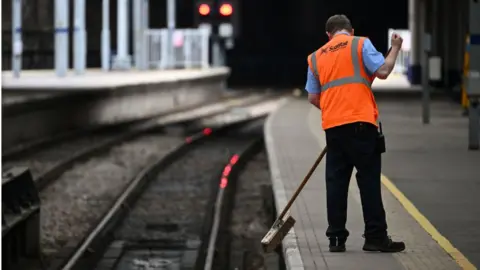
x,y
372,59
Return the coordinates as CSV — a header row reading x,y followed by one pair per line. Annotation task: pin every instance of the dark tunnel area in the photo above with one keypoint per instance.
x,y
275,37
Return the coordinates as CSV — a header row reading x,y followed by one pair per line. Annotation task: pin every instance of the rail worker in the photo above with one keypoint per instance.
x,y
339,79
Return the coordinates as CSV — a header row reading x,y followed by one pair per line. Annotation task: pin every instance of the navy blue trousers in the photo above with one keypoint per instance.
x,y
349,146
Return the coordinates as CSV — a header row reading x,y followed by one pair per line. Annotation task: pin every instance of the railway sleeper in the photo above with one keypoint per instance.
x,y
119,252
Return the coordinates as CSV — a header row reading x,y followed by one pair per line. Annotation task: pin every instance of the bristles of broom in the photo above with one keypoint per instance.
x,y
276,234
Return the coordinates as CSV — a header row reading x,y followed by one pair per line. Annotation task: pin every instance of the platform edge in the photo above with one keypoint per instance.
x,y
291,252
13,84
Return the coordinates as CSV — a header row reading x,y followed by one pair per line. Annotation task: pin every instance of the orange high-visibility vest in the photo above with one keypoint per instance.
x,y
346,94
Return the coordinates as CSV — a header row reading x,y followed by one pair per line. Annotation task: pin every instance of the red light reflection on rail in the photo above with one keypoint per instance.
x,y
223,182
227,170
234,159
188,139
207,131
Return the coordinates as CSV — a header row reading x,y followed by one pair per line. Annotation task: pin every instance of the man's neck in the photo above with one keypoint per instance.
x,y
341,32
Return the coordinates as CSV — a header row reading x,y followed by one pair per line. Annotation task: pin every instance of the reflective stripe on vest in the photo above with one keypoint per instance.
x,y
357,76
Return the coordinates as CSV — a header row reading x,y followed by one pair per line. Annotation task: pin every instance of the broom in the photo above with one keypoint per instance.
x,y
283,224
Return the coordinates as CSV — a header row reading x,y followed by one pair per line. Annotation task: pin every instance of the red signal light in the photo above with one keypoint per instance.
x,y
204,9
207,131
226,9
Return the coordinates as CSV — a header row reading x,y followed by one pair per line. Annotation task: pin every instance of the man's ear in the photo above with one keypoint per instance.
x,y
353,32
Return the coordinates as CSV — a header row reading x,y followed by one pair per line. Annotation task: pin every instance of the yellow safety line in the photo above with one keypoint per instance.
x,y
427,226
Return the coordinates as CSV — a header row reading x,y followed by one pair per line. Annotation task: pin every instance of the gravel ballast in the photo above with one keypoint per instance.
x,y
50,156
250,218
77,200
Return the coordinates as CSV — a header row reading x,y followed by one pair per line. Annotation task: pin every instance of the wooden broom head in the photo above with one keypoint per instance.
x,y
276,234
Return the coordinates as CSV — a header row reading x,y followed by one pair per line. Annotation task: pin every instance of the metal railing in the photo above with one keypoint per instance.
x,y
190,48
403,59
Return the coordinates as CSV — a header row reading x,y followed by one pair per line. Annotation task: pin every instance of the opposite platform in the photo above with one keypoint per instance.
x,y
40,104
294,139
37,85
96,78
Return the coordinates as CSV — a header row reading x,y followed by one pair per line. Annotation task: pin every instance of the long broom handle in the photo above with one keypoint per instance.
x,y
305,180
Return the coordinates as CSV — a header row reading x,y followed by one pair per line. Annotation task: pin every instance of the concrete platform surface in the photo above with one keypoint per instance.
x,y
434,169
294,139
394,81
95,78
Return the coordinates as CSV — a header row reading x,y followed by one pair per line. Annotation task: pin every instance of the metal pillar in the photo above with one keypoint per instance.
x,y
140,24
461,39
127,32
446,41
138,33
146,14
106,35
171,10
435,27
145,26
425,44
79,38
122,59
473,84
217,55
17,37
61,37
435,59
473,125
414,22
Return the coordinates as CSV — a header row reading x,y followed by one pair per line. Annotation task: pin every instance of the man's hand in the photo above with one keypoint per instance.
x,y
314,99
384,71
396,41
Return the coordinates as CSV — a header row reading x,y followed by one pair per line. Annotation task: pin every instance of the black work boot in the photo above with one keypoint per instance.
x,y
337,244
383,245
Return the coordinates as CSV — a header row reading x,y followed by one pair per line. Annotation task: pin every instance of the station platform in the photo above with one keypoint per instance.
x,y
96,78
39,104
430,189
41,84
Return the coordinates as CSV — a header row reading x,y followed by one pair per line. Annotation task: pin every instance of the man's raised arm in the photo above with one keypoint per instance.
x,y
375,62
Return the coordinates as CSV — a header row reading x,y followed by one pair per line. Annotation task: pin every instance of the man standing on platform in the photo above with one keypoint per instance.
x,y
339,80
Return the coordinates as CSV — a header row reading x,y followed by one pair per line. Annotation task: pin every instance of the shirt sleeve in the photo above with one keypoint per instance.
x,y
372,59
313,85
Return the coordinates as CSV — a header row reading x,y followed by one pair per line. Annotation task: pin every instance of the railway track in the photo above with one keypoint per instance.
x,y
73,201
49,158
171,213
229,100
